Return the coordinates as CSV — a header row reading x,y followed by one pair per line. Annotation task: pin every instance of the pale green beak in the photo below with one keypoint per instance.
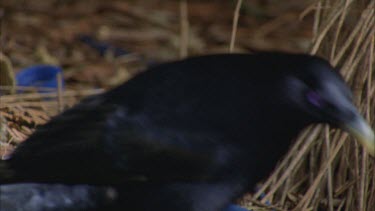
x,y
360,129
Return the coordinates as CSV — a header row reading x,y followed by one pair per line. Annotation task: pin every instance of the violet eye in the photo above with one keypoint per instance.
x,y
315,99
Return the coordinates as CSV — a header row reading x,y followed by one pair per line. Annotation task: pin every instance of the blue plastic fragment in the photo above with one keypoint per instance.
x,y
39,76
262,195
102,47
233,207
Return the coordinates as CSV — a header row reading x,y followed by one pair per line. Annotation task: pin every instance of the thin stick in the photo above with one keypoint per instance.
x,y
350,67
234,25
324,31
338,29
317,19
329,170
307,144
300,141
60,99
362,194
27,88
302,205
351,38
36,96
184,30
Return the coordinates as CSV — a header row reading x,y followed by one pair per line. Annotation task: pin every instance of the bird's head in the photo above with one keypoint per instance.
x,y
314,88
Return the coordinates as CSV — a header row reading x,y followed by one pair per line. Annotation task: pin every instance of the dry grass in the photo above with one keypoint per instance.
x,y
326,169
20,114
235,25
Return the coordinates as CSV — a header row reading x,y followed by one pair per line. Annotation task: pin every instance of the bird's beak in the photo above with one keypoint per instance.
x,y
360,129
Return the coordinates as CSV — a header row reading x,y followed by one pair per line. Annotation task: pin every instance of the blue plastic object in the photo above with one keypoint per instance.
x,y
102,47
233,207
39,76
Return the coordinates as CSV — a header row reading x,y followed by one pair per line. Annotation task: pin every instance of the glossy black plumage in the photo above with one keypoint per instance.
x,y
186,135
59,197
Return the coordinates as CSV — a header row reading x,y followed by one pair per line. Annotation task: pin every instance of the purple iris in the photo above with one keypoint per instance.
x,y
315,99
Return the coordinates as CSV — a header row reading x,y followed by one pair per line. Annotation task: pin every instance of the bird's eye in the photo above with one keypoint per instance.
x,y
315,99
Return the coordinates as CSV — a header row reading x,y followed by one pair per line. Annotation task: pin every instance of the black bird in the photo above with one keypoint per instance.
x,y
57,197
189,135
60,197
